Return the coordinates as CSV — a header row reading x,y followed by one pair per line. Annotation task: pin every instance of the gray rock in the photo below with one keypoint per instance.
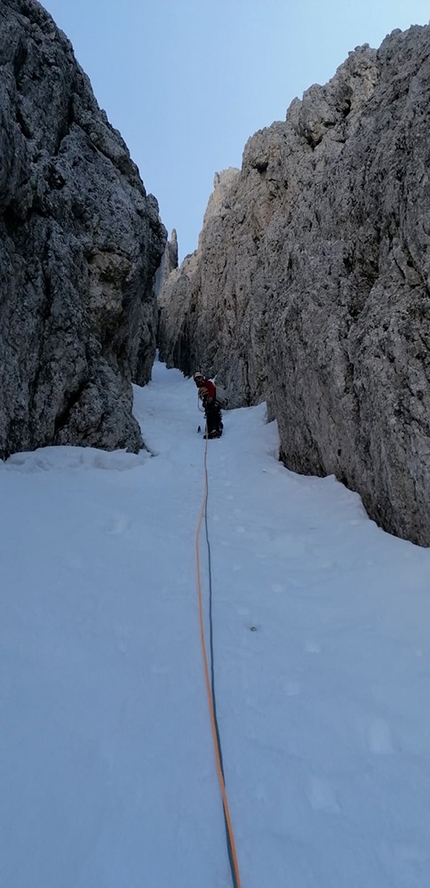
x,y
311,283
168,263
80,243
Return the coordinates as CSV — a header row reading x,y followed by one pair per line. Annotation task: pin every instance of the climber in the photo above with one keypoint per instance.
x,y
207,395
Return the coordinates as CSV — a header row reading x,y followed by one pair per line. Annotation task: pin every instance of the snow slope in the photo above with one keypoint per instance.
x,y
322,658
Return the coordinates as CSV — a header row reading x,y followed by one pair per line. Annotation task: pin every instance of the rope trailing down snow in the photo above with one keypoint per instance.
x,y
210,681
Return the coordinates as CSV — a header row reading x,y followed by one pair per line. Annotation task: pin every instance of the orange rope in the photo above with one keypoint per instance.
x,y
208,685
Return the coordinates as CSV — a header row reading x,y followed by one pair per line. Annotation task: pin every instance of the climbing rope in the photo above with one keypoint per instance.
x,y
210,680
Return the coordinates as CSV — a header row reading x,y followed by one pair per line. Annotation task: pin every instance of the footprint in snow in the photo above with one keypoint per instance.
x,y
117,523
402,852
260,792
122,637
321,796
379,738
312,647
160,669
75,561
292,688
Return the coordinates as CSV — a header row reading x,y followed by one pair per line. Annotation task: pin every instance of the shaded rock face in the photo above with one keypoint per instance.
x,y
193,331
80,243
310,286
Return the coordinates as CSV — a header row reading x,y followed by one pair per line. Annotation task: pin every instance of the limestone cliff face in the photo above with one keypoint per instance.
x,y
168,262
80,242
311,283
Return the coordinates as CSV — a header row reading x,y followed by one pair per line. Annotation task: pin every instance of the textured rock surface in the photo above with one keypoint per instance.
x,y
80,242
190,333
168,262
311,283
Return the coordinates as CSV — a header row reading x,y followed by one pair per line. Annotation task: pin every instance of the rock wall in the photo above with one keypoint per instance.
x,y
311,283
80,243
168,262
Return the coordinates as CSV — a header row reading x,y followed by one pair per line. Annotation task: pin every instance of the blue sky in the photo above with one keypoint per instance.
x,y
188,82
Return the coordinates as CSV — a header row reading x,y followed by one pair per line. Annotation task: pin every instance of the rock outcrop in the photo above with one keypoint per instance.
x,y
311,283
168,262
80,243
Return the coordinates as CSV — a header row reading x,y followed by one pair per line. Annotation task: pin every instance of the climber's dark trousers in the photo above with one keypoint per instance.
x,y
213,420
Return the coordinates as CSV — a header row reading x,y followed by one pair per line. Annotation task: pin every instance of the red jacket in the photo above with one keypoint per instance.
x,y
207,390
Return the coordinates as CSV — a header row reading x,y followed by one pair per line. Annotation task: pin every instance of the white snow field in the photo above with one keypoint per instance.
x,y
322,663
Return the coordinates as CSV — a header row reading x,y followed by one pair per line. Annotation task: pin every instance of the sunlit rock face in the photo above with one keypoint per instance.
x,y
80,243
310,285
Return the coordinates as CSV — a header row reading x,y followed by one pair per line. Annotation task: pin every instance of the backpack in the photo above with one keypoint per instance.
x,y
221,397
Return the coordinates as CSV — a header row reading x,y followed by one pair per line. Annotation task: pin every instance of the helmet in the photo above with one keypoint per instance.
x,y
197,375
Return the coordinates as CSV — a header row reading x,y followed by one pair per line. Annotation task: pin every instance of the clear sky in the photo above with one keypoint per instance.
x,y
188,81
